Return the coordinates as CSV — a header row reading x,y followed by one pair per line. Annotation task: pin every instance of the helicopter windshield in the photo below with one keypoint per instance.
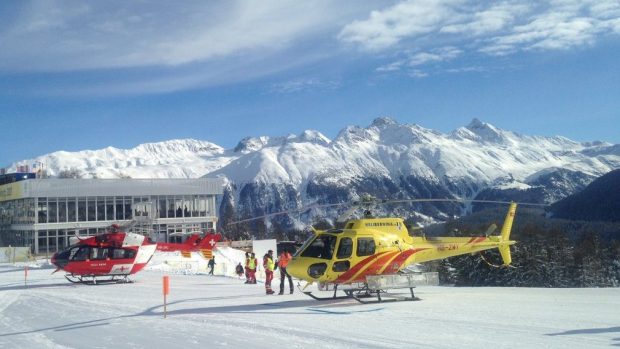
x,y
321,247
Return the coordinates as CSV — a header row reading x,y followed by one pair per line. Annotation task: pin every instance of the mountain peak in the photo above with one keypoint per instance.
x,y
313,136
485,131
383,121
250,144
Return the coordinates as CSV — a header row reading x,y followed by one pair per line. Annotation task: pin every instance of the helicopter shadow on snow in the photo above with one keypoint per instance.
x,y
616,341
307,307
12,270
32,285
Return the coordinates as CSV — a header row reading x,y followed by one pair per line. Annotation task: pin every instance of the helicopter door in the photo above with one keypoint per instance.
x,y
345,249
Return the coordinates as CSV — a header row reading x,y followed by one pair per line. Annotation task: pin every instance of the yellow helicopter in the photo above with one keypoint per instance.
x,y
353,258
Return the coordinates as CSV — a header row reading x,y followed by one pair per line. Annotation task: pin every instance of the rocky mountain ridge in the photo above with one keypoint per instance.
x,y
385,159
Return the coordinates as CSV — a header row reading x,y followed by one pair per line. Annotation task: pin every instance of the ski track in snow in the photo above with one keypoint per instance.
x,y
218,311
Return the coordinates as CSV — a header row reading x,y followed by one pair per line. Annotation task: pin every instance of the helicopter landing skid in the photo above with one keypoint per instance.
x,y
348,293
383,296
307,293
363,294
97,280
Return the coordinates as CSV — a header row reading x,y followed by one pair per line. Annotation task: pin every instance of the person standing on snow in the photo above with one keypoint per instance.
x,y
239,270
211,265
269,266
283,260
247,268
252,262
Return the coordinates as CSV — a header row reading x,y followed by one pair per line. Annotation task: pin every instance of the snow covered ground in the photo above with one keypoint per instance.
x,y
219,311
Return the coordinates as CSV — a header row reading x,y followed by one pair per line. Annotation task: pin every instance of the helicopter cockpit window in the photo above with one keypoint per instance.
x,y
365,246
80,253
345,248
98,253
130,253
322,247
119,253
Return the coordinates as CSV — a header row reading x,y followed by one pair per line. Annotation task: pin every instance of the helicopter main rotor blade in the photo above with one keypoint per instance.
x,y
346,214
299,210
369,200
460,201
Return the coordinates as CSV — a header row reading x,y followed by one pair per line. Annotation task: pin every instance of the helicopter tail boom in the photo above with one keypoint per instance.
x,y
504,247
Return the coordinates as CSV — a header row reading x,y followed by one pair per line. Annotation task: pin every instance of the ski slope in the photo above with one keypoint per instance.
x,y
220,311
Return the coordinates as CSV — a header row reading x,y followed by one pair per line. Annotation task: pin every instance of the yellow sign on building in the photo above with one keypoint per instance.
x,y
10,191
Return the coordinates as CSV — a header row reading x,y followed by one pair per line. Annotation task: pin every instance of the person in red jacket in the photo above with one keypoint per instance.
x,y
283,260
269,266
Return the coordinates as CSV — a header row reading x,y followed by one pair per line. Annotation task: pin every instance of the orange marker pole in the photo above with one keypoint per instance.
x,y
166,291
26,276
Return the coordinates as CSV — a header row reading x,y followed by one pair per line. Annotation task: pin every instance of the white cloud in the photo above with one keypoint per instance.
x,y
496,28
384,29
417,73
439,55
304,84
390,67
133,47
486,21
152,47
549,32
69,35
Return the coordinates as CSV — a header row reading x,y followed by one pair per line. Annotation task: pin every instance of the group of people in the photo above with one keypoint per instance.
x,y
270,266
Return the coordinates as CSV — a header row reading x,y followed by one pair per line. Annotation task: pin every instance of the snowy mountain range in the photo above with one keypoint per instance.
x,y
386,159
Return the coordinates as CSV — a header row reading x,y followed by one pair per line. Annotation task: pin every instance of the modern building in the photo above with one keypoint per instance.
x,y
44,213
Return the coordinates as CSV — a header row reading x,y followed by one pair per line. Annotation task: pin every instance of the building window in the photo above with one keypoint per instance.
x,y
71,210
51,241
81,210
187,206
42,210
101,208
91,208
162,208
109,208
30,214
195,204
43,248
178,206
62,210
52,207
128,207
119,208
63,240
202,206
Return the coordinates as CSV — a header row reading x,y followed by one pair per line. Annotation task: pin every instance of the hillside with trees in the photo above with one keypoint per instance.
x,y
548,253
599,201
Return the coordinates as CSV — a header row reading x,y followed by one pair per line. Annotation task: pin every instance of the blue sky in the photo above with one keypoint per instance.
x,y
78,75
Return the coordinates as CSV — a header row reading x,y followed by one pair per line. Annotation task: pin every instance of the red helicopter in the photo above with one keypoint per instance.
x,y
113,256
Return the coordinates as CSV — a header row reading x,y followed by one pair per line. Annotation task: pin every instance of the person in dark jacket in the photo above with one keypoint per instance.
x,y
211,265
239,270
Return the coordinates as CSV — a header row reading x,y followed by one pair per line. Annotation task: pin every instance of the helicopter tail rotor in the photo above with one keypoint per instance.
x,y
491,230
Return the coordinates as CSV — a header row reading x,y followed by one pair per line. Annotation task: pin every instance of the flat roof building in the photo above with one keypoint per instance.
x,y
44,213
